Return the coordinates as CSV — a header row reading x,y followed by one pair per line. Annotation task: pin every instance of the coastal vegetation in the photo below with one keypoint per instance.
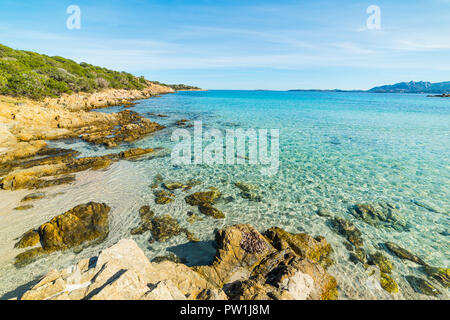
x,y
32,75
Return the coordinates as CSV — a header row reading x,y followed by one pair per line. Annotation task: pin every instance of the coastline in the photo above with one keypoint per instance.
x,y
63,281
26,162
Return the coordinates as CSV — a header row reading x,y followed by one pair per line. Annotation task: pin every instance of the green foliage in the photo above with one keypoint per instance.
x,y
25,73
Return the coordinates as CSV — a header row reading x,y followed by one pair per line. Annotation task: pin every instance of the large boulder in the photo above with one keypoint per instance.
x,y
250,266
83,223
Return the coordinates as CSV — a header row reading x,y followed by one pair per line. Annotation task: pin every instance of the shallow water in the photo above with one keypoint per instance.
x,y
336,150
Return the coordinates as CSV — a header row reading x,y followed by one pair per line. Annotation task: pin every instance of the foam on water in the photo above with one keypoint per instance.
x,y
336,150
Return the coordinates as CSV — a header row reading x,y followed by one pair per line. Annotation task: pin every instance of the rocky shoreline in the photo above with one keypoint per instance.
x,y
248,266
25,125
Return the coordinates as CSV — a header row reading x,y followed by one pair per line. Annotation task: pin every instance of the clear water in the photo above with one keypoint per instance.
x,y
336,150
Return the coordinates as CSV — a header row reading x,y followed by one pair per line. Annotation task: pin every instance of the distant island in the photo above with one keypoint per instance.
x,y
441,89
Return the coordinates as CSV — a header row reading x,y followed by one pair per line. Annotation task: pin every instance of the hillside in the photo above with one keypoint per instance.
x,y
414,87
32,75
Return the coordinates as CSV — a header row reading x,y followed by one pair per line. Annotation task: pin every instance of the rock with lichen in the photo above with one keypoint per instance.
x,y
249,266
83,223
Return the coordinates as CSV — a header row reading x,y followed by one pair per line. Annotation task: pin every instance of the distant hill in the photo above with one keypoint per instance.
x,y
177,87
414,87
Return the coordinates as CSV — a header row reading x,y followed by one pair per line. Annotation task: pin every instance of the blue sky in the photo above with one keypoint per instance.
x,y
245,44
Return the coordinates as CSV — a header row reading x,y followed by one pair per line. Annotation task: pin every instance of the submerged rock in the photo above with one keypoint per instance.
x,y
192,217
24,207
200,198
146,215
359,255
33,196
348,230
165,227
174,185
425,206
245,187
324,213
422,286
403,253
383,263
27,257
163,197
387,283
252,196
440,274
83,223
209,210
379,215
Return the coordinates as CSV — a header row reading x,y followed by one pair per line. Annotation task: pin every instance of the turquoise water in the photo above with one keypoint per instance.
x,y
336,150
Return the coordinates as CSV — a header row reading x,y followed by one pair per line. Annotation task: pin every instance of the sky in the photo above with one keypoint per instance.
x,y
243,44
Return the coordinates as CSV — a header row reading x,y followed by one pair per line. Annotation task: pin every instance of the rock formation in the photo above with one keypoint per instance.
x,y
247,265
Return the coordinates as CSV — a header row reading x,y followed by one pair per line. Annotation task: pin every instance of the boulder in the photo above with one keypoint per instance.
x,y
250,266
84,223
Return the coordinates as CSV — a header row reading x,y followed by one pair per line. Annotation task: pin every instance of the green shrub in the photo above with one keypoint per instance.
x,y
25,73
